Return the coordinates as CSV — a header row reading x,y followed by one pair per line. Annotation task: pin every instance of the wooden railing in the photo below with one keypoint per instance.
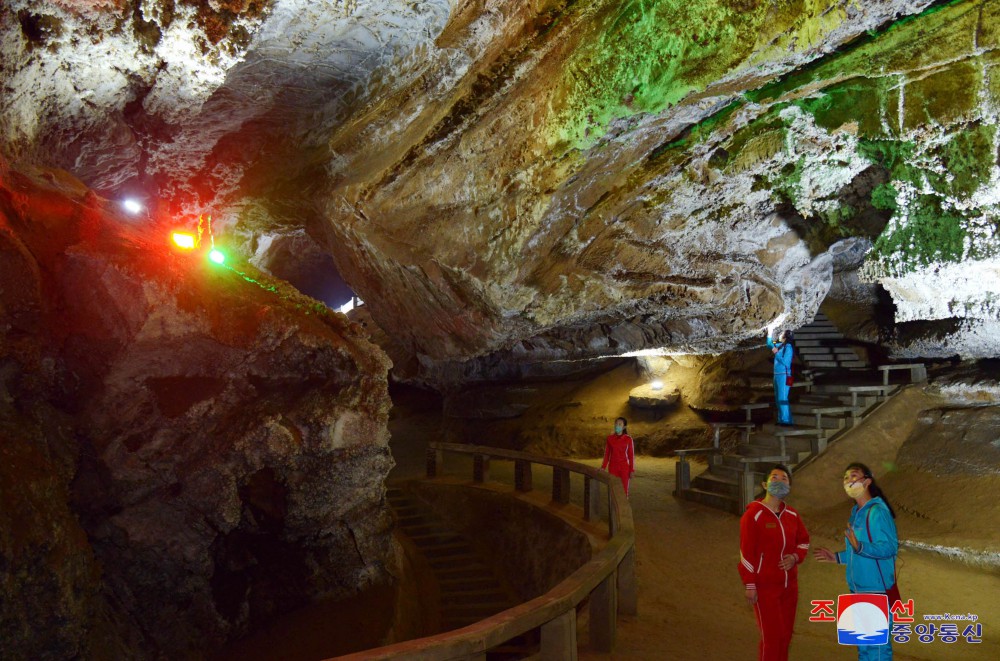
x,y
608,578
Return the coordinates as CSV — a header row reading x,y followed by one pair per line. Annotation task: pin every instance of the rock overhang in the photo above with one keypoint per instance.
x,y
550,180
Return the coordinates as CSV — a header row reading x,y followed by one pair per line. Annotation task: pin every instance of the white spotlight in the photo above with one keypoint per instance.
x,y
656,385
132,206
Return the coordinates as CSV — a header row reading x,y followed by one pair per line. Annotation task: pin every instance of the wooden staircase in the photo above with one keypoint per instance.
x,y
838,389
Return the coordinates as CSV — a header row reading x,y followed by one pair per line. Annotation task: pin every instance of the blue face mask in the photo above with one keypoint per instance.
x,y
619,429
778,489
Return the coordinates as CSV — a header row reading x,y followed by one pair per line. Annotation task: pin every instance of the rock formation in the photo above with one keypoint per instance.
x,y
189,449
525,181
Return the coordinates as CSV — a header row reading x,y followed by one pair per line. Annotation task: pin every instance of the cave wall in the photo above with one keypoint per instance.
x,y
192,448
577,195
528,181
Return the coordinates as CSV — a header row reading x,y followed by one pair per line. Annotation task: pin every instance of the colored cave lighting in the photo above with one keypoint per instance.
x,y
132,206
216,256
183,240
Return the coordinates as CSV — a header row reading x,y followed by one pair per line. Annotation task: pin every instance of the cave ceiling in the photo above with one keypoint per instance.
x,y
526,180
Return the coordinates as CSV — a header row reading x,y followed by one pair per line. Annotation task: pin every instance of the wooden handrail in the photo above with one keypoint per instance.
x,y
474,640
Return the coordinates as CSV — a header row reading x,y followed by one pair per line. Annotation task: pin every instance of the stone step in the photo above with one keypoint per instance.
x,y
821,334
840,389
466,561
425,531
725,471
414,520
795,457
853,363
820,363
799,429
447,551
823,324
733,461
806,404
476,597
724,485
458,585
815,351
435,538
462,573
829,421
767,444
718,501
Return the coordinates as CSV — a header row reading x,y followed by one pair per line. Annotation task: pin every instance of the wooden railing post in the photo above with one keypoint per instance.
x,y
480,468
682,475
747,487
628,587
591,498
522,475
559,638
560,485
612,514
604,614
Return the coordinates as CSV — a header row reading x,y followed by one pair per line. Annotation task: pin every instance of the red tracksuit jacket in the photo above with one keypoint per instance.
x,y
764,538
619,455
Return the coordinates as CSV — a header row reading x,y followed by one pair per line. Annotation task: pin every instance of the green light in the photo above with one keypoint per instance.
x,y
216,256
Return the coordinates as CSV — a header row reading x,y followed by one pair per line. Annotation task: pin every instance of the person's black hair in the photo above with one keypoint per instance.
x,y
624,424
874,489
784,468
789,337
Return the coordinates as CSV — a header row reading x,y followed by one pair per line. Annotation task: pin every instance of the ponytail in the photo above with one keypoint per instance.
x,y
874,489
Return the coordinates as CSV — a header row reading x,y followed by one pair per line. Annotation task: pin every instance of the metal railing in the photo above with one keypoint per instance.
x,y
608,579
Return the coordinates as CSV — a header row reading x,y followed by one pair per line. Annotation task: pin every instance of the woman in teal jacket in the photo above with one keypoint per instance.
x,y
872,545
783,355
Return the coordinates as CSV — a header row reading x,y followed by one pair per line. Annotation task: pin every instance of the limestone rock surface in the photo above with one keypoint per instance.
x,y
514,182
197,448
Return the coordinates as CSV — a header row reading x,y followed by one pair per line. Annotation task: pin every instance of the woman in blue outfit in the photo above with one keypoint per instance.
x,y
783,355
870,555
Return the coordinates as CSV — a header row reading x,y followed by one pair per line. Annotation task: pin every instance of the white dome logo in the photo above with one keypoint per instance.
x,y
863,620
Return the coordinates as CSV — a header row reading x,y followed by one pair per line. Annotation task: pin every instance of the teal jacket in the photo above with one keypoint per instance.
x,y
783,358
872,568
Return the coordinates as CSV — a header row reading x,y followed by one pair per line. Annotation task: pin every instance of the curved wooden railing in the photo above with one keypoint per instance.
x,y
608,578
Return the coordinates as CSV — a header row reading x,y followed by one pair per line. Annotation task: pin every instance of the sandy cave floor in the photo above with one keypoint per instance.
x,y
691,602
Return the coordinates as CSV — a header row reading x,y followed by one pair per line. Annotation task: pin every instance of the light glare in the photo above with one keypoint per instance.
x,y
216,256
656,385
183,240
132,206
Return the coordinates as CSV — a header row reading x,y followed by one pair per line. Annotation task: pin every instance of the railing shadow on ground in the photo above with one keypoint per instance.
x,y
608,579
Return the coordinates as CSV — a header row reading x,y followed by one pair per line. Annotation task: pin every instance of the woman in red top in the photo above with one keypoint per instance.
x,y
619,453
773,540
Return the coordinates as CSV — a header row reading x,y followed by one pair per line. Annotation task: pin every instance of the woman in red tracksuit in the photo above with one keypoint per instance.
x,y
773,540
619,453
